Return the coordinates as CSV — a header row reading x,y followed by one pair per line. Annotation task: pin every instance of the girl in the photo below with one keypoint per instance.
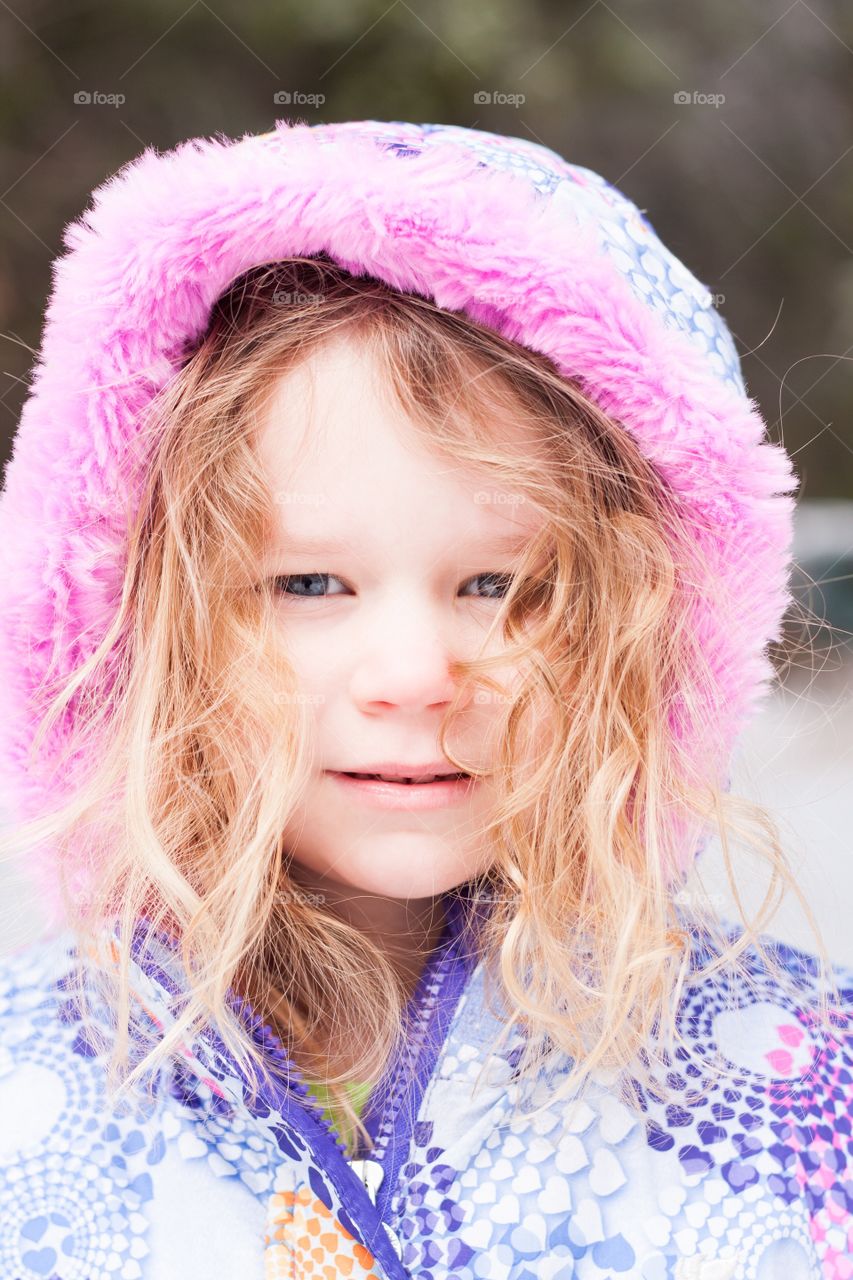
x,y
390,556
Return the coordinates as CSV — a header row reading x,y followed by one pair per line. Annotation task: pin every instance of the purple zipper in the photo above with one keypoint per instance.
x,y
273,1047
388,1094
288,1099
395,1101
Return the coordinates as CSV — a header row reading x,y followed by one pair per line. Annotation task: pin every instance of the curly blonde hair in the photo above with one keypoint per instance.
x,y
584,943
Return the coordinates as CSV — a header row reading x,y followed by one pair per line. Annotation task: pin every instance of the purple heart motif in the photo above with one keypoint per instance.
x,y
739,1175
41,1262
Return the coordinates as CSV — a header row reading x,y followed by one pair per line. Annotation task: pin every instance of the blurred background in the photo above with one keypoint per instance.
x,y
733,135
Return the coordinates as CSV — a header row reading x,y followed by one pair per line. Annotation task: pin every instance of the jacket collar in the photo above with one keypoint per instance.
x,y
209,1075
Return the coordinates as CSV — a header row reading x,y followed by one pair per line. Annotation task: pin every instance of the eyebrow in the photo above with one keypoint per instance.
x,y
318,544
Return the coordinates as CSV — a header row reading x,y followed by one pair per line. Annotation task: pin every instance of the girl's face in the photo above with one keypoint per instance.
x,y
409,560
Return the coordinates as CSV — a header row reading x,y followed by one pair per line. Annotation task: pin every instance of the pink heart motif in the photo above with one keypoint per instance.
x,y
781,1060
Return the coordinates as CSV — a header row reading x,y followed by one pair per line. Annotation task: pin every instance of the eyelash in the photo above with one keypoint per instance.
x,y
285,578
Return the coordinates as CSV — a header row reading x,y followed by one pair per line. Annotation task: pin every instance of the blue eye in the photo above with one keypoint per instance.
x,y
284,584
500,578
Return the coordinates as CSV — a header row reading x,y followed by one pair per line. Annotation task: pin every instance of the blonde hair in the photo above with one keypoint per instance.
x,y
177,821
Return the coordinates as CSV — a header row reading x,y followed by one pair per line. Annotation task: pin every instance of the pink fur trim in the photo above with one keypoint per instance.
x,y
165,235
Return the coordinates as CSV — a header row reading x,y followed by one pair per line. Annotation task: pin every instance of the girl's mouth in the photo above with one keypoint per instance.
x,y
402,793
437,777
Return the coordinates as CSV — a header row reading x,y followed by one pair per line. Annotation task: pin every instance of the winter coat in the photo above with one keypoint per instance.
x,y
751,1180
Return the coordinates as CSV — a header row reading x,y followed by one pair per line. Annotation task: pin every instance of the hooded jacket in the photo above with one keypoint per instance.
x,y
754,1179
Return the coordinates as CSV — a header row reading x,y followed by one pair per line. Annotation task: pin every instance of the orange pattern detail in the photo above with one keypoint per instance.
x,y
305,1242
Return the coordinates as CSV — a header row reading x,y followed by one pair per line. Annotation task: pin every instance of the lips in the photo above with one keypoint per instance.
x,y
421,780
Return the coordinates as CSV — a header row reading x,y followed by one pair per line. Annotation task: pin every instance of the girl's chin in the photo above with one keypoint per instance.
x,y
386,877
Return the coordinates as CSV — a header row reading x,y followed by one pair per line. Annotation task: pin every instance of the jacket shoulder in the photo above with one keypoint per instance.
x,y
40,1066
767,1017
44,1078
172,1188
32,986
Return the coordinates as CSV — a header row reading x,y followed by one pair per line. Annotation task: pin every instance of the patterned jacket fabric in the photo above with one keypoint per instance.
x,y
749,1176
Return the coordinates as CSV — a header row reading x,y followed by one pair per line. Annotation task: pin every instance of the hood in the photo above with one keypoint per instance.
x,y
547,253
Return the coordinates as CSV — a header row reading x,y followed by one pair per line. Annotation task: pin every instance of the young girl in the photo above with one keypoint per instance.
x,y
359,457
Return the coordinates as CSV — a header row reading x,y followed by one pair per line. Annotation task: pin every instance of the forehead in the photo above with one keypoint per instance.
x,y
344,461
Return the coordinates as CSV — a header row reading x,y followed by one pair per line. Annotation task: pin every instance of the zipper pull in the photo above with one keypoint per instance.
x,y
371,1174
